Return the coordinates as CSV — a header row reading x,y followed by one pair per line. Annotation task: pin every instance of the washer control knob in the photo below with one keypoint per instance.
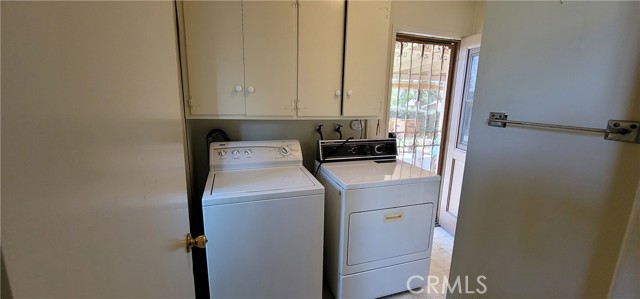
x,y
235,152
222,153
248,152
285,150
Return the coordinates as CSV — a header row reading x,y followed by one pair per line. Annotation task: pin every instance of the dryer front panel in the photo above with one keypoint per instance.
x,y
382,234
386,226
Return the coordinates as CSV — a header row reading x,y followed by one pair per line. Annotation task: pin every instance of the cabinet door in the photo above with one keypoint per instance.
x,y
213,34
320,42
366,57
270,53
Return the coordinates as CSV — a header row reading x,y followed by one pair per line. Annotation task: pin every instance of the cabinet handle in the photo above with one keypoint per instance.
x,y
251,89
338,93
349,93
238,88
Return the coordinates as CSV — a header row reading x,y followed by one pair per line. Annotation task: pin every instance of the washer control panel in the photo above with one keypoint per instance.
x,y
248,154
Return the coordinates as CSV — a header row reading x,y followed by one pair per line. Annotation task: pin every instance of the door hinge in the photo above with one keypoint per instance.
x,y
298,106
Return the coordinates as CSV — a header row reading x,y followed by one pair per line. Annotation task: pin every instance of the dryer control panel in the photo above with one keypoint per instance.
x,y
359,149
251,154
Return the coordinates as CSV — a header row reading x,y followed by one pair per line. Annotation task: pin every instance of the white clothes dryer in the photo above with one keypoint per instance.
x,y
379,218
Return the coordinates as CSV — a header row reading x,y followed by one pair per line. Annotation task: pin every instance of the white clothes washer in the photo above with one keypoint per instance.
x,y
263,217
379,218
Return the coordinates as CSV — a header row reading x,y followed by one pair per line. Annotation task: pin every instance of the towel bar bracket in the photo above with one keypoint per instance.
x,y
496,119
631,131
617,130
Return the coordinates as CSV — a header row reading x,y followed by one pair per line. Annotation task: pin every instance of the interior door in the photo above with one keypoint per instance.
x,y
458,132
94,199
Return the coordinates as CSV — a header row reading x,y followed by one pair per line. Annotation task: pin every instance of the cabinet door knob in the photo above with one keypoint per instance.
x,y
338,93
238,88
251,89
349,93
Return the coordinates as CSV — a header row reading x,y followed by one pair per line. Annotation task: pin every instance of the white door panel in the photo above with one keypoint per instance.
x,y
94,193
541,207
457,170
453,170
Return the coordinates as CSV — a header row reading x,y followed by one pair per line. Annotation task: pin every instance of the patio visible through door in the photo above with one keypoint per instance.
x,y
420,96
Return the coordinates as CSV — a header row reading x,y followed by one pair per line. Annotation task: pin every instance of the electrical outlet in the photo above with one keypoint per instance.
x,y
356,125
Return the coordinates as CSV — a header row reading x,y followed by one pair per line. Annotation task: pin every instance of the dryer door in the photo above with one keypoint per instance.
x,y
382,234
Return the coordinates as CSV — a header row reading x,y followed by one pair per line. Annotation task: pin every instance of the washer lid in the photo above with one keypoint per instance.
x,y
257,184
367,174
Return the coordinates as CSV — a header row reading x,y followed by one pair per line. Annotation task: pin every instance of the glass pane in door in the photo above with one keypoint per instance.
x,y
467,98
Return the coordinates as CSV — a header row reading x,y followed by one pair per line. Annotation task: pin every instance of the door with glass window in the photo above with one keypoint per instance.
x,y
456,150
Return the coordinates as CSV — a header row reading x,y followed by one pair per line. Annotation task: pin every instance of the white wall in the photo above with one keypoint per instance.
x,y
543,212
478,16
453,19
449,19
5,289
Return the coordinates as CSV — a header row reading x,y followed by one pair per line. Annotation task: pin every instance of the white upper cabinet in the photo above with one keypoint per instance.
x,y
270,57
241,57
213,35
284,59
321,44
366,57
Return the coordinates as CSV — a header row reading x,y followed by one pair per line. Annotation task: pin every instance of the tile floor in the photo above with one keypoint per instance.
x,y
440,264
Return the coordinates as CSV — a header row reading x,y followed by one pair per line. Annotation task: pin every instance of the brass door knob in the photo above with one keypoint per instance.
x,y
199,241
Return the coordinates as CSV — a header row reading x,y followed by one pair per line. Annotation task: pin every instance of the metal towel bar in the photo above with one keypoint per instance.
x,y
617,130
